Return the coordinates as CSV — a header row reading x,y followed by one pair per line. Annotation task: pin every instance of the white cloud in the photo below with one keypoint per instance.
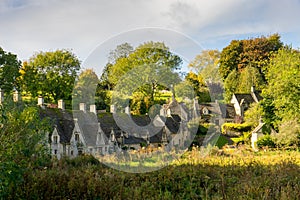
x,y
34,25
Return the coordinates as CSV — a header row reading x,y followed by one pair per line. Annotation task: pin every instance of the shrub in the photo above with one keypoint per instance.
x,y
265,140
232,127
289,133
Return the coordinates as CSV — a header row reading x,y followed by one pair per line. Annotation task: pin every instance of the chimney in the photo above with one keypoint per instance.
x,y
127,110
113,108
40,101
162,112
93,109
82,107
1,96
16,96
61,104
252,89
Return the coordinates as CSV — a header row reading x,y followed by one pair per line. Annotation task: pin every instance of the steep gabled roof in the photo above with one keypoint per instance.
x,y
62,120
227,111
211,107
247,98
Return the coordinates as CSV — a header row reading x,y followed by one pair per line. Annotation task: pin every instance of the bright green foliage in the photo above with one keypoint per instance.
x,y
266,141
85,87
207,64
253,114
149,68
200,88
283,91
243,63
231,84
50,74
9,71
241,82
23,144
236,127
150,53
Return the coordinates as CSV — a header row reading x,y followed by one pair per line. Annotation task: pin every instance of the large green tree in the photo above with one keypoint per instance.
x,y
243,63
9,71
50,74
282,94
151,65
23,145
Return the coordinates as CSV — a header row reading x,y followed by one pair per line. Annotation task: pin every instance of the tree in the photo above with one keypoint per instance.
x,y
150,66
23,144
207,64
50,74
200,88
85,87
9,71
255,52
121,51
282,94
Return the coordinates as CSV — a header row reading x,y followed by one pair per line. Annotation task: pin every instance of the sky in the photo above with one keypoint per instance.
x,y
92,28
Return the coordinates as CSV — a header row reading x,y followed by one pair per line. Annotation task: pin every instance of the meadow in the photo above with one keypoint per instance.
x,y
214,174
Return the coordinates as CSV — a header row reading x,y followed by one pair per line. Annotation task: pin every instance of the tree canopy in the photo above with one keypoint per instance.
x,y
148,67
282,94
50,74
255,52
85,87
207,64
9,71
243,63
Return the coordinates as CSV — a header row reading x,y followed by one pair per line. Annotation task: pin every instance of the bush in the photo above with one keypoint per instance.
x,y
266,140
232,127
289,134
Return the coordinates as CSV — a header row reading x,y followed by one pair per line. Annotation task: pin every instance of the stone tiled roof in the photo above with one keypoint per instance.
x,y
134,128
247,98
227,111
61,120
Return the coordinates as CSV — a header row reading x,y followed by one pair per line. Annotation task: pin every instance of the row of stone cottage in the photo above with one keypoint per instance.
x,y
82,131
85,131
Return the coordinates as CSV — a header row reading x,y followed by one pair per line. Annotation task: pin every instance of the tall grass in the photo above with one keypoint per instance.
x,y
236,174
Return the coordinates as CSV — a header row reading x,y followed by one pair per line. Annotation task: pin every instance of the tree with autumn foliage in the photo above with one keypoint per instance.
x,y
243,63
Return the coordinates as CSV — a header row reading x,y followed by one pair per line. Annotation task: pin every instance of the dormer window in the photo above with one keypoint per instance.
x,y
76,137
55,139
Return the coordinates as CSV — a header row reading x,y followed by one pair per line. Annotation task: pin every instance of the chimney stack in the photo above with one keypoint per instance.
x,y
93,109
127,110
82,107
252,89
41,101
1,96
61,104
16,96
113,108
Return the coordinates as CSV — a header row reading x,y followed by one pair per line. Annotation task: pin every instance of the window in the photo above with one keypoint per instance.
x,y
205,111
55,151
71,153
55,139
76,137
